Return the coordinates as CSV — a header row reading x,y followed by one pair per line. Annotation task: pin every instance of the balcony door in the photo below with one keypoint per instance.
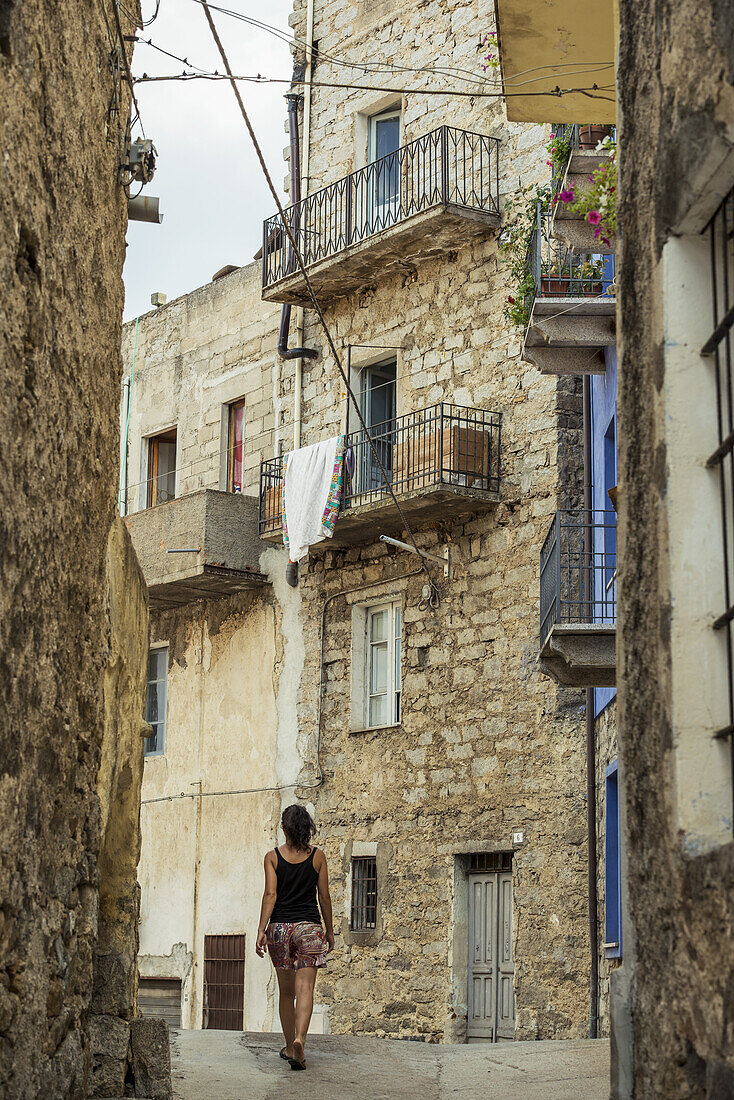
x,y
161,468
383,142
377,405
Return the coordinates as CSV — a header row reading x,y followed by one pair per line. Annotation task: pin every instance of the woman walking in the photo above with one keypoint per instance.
x,y
290,926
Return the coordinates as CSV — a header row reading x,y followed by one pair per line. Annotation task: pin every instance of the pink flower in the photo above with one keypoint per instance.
x,y
552,137
566,196
597,233
593,217
511,300
547,162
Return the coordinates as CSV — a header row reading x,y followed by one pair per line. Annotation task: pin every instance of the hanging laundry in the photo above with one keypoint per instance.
x,y
313,483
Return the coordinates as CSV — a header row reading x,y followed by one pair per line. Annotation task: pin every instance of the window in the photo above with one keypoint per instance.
x,y
161,468
236,447
363,916
383,143
720,345
383,678
612,868
377,392
155,700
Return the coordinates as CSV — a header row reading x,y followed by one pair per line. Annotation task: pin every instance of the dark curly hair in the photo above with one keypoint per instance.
x,y
298,826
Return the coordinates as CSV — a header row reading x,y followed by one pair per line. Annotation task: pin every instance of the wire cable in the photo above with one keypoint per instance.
x,y
312,295
121,37
555,93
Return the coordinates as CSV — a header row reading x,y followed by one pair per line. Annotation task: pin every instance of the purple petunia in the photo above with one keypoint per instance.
x,y
566,196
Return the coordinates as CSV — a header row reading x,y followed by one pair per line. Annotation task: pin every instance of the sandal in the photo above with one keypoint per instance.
x,y
283,1055
295,1064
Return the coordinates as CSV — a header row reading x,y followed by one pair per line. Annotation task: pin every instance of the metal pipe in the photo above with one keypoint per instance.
x,y
411,549
123,447
285,317
591,757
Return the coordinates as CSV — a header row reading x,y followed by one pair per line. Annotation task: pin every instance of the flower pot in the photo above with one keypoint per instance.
x,y
590,136
592,290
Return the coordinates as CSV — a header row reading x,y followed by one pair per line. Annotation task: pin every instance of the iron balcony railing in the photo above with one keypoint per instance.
x,y
441,445
552,270
578,570
447,167
576,137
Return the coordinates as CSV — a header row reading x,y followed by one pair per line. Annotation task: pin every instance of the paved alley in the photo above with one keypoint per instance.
x,y
230,1065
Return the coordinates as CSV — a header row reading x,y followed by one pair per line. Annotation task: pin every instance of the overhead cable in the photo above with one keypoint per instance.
x,y
312,295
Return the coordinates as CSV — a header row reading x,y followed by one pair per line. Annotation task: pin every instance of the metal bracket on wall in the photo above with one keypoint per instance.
x,y
444,559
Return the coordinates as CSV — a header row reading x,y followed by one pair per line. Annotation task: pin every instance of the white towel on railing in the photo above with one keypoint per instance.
x,y
312,488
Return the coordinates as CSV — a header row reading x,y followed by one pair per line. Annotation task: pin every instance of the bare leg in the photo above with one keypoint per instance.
x,y
305,982
286,1007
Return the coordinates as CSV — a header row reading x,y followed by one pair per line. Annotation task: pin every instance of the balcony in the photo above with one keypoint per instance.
x,y
201,546
578,580
583,159
443,462
571,314
422,201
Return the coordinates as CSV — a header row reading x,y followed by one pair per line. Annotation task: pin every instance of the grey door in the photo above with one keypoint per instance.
x,y
491,1001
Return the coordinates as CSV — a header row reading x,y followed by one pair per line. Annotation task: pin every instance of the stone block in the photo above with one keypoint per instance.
x,y
151,1057
109,1039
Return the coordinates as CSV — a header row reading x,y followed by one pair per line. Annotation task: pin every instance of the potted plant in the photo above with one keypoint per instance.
x,y
592,134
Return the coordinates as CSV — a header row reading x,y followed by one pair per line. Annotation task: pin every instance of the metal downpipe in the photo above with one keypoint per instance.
x,y
591,758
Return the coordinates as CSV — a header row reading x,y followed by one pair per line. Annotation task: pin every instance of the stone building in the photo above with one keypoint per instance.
x,y
671,998
404,705
73,608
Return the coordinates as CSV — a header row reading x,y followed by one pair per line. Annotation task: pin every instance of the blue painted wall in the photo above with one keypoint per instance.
x,y
604,476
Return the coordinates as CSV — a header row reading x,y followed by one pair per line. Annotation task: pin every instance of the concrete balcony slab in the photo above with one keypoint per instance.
x,y
568,335
430,234
581,654
217,534
364,523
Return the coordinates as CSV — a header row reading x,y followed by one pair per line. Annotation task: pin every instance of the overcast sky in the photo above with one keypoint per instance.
x,y
211,188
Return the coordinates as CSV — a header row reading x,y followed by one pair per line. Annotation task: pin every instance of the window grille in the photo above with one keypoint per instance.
x,y
721,347
364,894
484,863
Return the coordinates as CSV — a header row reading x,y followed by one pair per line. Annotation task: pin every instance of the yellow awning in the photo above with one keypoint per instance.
x,y
564,44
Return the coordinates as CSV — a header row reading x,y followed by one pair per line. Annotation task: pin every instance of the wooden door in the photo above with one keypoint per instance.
x,y
224,982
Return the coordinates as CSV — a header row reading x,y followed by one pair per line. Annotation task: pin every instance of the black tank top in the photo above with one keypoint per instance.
x,y
296,898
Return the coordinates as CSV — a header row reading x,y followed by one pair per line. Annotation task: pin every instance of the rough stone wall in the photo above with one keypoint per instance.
x,y
194,356
673,1036
62,223
119,783
486,744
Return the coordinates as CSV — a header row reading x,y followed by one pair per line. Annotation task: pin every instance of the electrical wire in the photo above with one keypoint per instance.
x,y
320,55
121,38
556,93
312,295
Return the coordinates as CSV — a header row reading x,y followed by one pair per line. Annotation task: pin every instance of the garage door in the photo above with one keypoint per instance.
x,y
161,997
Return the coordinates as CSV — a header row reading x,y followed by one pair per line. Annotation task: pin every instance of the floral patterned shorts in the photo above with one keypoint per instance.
x,y
293,946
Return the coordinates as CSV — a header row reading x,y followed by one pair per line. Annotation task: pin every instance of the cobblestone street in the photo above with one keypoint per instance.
x,y
227,1065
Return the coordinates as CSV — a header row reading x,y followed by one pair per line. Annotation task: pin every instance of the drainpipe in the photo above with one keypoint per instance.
x,y
285,318
591,756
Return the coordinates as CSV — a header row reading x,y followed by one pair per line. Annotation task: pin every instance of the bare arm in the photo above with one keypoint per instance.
x,y
269,896
325,901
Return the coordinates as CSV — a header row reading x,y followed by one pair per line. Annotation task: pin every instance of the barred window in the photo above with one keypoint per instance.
x,y
720,347
364,894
